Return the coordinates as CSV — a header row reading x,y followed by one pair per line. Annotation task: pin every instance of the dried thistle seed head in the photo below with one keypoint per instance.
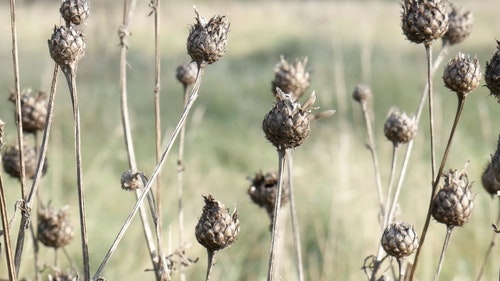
x,y
264,189
33,109
207,41
489,181
217,228
400,128
59,275
75,11
424,21
54,228
361,93
12,164
460,24
453,204
462,74
495,161
492,74
399,240
132,180
186,73
66,45
291,78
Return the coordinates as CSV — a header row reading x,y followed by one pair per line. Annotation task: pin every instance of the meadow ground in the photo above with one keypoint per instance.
x,y
346,43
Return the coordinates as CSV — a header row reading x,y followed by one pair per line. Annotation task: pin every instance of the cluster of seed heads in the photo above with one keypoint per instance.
x,y
54,228
399,240
400,128
492,74
424,21
33,109
462,74
290,78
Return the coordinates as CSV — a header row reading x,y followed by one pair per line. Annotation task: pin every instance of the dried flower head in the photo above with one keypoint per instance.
x,y
186,73
424,21
400,128
132,180
361,93
66,45
495,161
264,189
460,24
453,204
489,181
75,11
207,41
33,109
291,78
492,74
462,74
12,164
54,228
399,240
58,275
217,228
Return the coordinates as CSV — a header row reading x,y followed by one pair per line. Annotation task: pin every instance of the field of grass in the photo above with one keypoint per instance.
x,y
346,42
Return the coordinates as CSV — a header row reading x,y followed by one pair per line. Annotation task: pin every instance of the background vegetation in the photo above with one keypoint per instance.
x,y
346,42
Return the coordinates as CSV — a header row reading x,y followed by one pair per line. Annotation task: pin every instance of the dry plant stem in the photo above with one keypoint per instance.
x,y
6,234
166,151
70,74
36,250
390,198
211,259
401,270
449,231
490,248
293,213
277,206
461,103
428,51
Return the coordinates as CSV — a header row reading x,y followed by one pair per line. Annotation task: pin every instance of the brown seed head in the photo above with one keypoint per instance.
x,y
54,228
33,109
492,74
462,74
399,240
66,45
207,42
459,25
58,275
361,93
291,78
400,128
132,180
453,204
424,21
186,73
495,161
217,228
489,181
12,164
75,11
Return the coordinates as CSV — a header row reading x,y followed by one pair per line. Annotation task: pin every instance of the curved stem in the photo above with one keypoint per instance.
x,y
275,230
449,230
6,232
490,248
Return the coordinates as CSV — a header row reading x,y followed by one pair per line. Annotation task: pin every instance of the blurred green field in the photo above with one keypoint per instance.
x,y
346,43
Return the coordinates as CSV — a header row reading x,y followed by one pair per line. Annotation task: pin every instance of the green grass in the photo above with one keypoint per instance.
x,y
336,202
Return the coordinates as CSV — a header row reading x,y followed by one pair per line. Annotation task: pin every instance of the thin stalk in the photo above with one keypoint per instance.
x,y
166,151
6,233
461,103
210,265
277,206
293,213
449,230
36,250
428,52
390,198
401,270
70,74
490,248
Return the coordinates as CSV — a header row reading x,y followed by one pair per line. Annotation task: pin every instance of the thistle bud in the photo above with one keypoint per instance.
x,y
361,93
75,11
424,21
132,180
54,228
462,74
399,240
460,25
186,73
33,109
291,78
492,74
400,128
12,164
66,45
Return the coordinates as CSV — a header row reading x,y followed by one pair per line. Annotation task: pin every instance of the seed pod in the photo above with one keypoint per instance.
x,y
462,74
207,42
489,181
12,164
291,78
399,240
66,45
460,24
399,128
186,73
453,204
361,93
264,189
424,21
132,180
75,11
54,228
217,228
492,74
33,109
